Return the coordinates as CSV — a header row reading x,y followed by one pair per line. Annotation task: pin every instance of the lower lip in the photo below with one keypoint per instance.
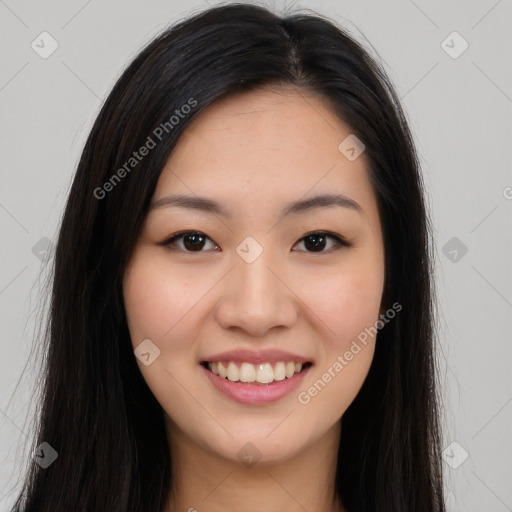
x,y
253,394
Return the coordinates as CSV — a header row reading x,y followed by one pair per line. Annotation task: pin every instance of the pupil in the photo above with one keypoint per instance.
x,y
318,241
195,245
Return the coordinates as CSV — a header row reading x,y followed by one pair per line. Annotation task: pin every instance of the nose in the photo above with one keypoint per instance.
x,y
256,299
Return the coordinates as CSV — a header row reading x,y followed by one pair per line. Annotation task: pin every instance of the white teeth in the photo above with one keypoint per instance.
x,y
279,371
247,372
290,369
233,372
265,373
261,373
222,370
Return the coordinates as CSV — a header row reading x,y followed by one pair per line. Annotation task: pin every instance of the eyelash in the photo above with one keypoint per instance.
x,y
340,241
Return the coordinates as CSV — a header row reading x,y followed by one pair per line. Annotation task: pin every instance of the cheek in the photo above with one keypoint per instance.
x,y
347,301
348,307
159,306
158,302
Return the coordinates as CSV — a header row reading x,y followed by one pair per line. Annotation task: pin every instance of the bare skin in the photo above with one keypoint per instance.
x,y
254,153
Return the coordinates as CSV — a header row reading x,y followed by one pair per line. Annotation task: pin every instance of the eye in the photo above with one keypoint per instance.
x,y
317,241
193,241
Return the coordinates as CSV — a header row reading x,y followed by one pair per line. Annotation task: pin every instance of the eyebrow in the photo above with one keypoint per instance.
x,y
297,207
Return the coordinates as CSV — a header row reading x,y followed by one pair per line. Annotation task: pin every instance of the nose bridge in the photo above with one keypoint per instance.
x,y
255,281
255,299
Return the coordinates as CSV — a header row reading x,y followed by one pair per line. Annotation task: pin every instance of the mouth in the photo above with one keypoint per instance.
x,y
255,384
255,377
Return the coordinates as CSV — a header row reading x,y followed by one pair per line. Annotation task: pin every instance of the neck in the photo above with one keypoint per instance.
x,y
203,480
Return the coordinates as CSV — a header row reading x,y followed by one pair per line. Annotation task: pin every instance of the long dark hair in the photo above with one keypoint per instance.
x,y
96,410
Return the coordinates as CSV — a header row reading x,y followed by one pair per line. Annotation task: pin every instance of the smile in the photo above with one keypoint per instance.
x,y
264,373
255,384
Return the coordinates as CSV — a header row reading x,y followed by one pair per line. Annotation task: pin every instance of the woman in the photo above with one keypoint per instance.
x,y
242,300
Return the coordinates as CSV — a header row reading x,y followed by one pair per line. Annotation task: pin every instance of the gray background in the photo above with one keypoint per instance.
x,y
460,113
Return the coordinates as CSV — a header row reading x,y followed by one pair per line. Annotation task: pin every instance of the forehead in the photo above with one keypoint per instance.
x,y
271,144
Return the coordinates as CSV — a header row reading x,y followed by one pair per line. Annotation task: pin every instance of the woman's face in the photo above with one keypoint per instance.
x,y
251,289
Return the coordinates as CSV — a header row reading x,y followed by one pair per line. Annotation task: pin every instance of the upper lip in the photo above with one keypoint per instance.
x,y
257,357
